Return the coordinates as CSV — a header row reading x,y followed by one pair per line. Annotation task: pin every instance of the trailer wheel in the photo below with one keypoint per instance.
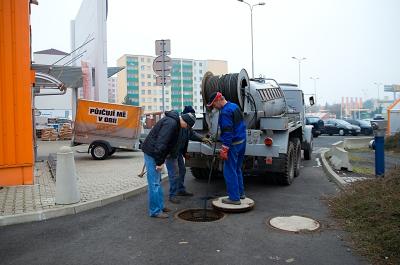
x,y
99,151
112,151
286,178
297,156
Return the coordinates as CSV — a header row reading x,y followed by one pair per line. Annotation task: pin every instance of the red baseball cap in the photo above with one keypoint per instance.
x,y
214,96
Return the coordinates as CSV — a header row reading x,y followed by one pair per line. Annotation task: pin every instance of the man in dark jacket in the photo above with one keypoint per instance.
x,y
175,162
156,147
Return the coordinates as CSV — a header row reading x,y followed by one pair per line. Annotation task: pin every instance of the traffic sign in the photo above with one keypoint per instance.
x,y
162,65
392,88
163,47
163,80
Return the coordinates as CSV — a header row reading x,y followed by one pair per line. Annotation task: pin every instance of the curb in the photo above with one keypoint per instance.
x,y
331,174
70,209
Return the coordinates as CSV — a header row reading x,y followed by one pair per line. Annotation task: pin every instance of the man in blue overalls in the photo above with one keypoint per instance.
x,y
233,138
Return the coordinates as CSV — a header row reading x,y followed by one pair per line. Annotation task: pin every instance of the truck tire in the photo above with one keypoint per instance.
x,y
297,156
308,150
99,151
286,178
203,173
199,173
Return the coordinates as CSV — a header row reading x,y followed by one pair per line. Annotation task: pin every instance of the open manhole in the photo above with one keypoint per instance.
x,y
294,223
200,215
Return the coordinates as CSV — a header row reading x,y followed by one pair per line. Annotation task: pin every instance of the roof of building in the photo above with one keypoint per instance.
x,y
51,52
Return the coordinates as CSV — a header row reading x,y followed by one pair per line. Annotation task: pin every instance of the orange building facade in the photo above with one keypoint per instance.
x,y
16,78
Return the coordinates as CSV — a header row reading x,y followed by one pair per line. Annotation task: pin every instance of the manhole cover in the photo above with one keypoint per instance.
x,y
200,215
294,223
246,205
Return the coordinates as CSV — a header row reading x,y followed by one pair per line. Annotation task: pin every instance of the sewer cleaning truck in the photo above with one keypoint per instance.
x,y
274,115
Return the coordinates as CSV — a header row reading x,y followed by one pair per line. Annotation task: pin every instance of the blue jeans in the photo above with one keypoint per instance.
x,y
155,191
233,171
176,175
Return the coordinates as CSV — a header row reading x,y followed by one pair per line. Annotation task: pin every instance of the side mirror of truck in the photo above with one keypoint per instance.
x,y
312,101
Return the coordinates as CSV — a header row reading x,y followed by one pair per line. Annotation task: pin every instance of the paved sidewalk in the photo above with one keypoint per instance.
x,y
100,182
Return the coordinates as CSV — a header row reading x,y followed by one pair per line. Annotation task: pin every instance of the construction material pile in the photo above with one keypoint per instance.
x,y
49,134
65,132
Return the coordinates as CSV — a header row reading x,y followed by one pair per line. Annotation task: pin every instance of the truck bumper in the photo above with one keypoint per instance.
x,y
251,149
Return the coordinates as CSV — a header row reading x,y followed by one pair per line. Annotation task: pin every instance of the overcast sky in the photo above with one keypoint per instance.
x,y
349,44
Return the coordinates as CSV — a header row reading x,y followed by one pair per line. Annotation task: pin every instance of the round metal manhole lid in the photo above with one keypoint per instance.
x,y
294,223
246,205
200,215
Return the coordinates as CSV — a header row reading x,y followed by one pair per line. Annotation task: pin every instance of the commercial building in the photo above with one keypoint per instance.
x,y
112,89
89,43
137,82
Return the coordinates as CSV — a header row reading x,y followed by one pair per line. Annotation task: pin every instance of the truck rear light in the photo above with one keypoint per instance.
x,y
268,160
268,141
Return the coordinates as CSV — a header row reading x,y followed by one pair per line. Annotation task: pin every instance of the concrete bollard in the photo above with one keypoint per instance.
x,y
67,191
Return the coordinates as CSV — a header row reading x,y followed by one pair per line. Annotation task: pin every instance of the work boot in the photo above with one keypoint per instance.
x,y
185,193
166,210
229,201
242,197
161,215
174,200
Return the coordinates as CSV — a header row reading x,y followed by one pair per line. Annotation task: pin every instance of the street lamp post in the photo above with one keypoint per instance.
x,y
299,60
315,87
251,25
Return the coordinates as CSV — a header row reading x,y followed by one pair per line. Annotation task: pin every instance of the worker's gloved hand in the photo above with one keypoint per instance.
x,y
159,168
206,140
223,153
186,156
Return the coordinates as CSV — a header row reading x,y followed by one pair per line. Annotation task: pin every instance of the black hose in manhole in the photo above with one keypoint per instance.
x,y
200,215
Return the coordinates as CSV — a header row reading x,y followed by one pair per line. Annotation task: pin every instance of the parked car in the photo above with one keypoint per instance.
x,y
365,126
341,127
317,123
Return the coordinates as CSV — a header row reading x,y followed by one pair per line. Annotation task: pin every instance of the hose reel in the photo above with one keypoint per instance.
x,y
232,86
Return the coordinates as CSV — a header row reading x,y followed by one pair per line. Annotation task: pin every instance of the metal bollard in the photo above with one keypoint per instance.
x,y
67,191
379,127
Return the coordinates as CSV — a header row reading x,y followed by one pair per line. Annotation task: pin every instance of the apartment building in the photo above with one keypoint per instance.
x,y
137,82
112,89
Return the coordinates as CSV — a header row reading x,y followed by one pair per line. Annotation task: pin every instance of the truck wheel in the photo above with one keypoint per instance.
x,y
199,173
286,178
99,151
297,156
308,150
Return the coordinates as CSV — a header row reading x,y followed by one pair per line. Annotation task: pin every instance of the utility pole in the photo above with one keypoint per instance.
x,y
299,61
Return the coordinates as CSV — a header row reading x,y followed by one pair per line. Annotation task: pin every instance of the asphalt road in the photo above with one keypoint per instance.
x,y
122,233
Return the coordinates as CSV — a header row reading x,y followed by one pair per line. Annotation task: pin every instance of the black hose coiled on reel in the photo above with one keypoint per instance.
x,y
232,86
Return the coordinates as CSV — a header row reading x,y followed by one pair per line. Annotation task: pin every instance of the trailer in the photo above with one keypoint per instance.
x,y
106,127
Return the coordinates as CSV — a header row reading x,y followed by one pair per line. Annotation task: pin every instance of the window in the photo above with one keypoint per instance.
x,y
154,100
167,100
200,71
160,107
148,75
142,75
142,60
154,76
148,60
194,63
201,78
142,67
200,64
154,83
149,107
194,78
166,92
160,99
149,83
143,84
143,92
168,107
149,92
148,68
195,107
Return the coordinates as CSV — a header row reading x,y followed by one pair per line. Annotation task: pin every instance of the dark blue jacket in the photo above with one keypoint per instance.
x,y
163,138
232,125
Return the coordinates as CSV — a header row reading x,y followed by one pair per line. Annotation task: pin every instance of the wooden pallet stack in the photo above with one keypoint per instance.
x,y
49,134
66,132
